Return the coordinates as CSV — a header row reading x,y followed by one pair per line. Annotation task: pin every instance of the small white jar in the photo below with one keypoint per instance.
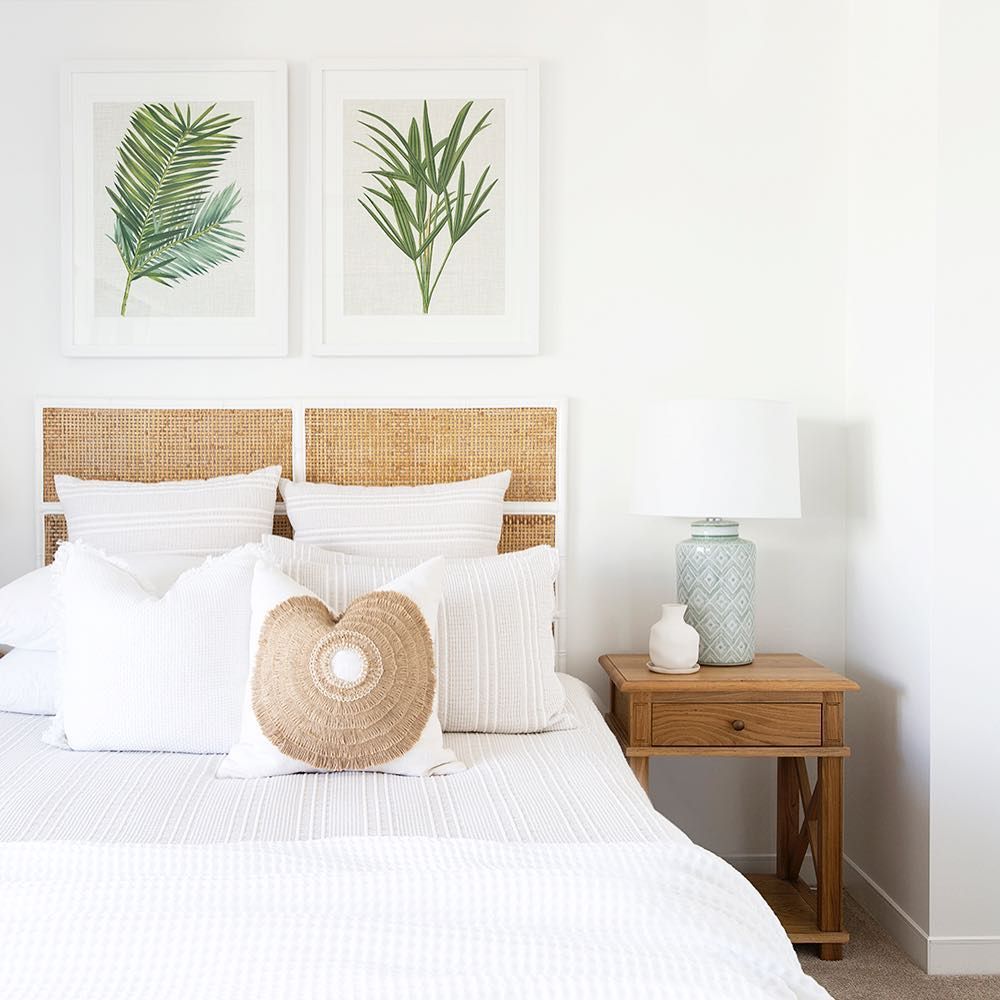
x,y
673,644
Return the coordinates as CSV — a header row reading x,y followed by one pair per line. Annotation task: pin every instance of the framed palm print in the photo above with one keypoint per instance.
x,y
175,209
424,208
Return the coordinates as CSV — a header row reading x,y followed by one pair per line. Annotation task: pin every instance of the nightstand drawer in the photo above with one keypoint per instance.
x,y
737,725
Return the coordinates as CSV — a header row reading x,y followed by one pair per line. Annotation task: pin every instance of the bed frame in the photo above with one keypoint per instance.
x,y
363,442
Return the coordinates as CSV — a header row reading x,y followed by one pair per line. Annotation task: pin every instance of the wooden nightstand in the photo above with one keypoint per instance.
x,y
781,705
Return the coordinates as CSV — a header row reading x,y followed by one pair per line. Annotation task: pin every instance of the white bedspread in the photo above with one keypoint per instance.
x,y
554,787
385,917
542,871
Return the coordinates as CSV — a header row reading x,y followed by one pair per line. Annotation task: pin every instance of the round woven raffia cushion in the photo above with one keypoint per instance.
x,y
352,719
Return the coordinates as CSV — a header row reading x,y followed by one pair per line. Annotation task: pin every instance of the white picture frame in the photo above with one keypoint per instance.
x,y
342,327
227,311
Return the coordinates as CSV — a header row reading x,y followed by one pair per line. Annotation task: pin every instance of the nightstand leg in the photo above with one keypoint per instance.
x,y
640,768
829,885
788,817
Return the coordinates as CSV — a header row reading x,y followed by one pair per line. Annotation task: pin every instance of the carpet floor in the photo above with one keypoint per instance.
x,y
874,968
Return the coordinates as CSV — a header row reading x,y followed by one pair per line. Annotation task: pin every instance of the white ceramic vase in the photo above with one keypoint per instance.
x,y
673,644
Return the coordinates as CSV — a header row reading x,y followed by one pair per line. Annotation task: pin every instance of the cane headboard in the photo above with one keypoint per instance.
x,y
356,442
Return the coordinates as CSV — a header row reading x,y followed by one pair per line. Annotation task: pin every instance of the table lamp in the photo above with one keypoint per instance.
x,y
721,461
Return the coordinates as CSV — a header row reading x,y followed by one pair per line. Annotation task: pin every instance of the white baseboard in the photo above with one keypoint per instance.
x,y
899,925
963,956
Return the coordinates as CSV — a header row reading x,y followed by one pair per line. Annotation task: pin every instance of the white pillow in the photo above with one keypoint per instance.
x,y
141,672
28,610
26,618
193,516
450,519
254,756
28,681
495,649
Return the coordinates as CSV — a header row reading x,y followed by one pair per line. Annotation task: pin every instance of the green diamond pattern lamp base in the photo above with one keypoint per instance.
x,y
715,579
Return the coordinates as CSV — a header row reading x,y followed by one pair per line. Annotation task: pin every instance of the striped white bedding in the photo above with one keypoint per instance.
x,y
562,786
443,519
198,517
541,872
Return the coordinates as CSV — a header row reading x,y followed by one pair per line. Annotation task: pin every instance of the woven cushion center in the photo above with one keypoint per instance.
x,y
345,665
348,664
347,693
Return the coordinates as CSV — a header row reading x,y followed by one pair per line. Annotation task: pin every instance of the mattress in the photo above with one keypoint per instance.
x,y
571,786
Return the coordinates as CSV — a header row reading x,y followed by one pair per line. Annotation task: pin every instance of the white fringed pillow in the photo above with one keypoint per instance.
x,y
191,517
29,610
139,671
449,519
257,755
495,648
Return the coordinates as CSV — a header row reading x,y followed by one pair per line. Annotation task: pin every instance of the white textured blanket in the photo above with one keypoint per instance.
x,y
385,917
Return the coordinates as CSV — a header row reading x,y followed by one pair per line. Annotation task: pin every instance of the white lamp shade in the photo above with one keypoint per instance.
x,y
729,458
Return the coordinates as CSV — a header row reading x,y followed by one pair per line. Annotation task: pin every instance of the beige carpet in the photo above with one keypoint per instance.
x,y
874,968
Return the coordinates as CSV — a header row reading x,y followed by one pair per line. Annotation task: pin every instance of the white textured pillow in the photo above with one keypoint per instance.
x,y
26,618
29,610
254,756
140,672
450,519
28,681
495,649
193,516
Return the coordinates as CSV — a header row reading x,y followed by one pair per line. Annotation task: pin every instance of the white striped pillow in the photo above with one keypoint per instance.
x,y
451,519
495,649
198,517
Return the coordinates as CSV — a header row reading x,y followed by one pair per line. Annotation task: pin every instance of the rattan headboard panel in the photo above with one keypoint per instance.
x,y
150,445
414,446
522,531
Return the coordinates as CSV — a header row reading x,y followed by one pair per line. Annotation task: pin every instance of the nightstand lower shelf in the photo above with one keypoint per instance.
x,y
794,904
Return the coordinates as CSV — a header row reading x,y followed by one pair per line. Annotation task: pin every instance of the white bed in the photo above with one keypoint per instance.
x,y
541,871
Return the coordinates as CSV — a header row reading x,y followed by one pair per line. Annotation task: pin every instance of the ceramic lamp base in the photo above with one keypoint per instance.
x,y
715,579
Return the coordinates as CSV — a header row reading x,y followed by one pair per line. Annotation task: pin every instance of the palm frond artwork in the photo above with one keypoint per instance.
x,y
421,196
169,223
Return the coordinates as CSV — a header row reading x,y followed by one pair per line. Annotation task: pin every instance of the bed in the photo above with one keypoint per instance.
x,y
542,870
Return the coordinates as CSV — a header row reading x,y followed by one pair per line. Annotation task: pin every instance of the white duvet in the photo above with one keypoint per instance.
x,y
390,917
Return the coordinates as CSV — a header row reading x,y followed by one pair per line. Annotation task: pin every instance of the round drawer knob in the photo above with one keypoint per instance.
x,y
739,725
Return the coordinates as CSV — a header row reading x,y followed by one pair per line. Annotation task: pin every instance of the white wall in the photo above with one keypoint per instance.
x,y
965,678
923,412
890,326
692,244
